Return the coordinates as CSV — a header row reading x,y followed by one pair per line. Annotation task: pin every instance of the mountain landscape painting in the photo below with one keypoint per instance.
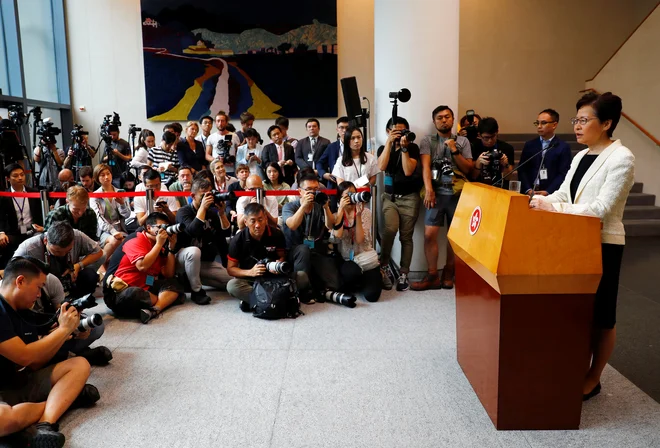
x,y
268,58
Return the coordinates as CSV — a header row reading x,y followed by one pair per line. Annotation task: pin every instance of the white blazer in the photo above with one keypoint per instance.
x,y
602,192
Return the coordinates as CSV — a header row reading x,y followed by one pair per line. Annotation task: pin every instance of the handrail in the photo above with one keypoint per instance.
x,y
624,42
627,117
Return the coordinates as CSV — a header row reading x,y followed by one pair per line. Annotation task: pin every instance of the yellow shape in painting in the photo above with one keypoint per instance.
x,y
183,107
262,106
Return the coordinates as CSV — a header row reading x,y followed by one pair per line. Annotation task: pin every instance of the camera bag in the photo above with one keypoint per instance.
x,y
275,297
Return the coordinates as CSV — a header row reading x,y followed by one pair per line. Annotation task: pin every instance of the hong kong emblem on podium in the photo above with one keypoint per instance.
x,y
475,220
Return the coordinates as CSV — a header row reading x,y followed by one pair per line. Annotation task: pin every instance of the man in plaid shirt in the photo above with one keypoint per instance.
x,y
76,212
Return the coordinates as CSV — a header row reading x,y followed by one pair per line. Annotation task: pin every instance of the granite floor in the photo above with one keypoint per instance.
x,y
380,375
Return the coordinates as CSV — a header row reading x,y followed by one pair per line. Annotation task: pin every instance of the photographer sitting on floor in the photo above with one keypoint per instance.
x,y
76,212
142,284
203,241
256,242
33,396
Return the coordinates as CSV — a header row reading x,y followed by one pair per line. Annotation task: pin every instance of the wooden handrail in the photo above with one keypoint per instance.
x,y
627,117
624,42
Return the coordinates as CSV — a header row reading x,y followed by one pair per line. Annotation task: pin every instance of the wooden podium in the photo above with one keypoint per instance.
x,y
525,286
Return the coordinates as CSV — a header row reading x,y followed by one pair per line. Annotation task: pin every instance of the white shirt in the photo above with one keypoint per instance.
x,y
140,158
270,204
213,142
24,216
357,169
140,202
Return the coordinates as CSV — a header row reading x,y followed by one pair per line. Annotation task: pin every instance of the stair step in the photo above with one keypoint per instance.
x,y
640,199
641,212
642,227
637,187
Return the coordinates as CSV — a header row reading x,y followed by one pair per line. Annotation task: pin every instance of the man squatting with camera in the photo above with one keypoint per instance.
x,y
35,393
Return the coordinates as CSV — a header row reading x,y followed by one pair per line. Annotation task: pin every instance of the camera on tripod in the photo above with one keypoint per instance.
x,y
47,131
108,121
132,129
81,304
77,133
224,147
16,115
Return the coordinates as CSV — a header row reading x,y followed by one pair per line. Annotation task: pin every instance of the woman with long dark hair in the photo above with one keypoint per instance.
x,y
146,141
597,184
275,181
356,164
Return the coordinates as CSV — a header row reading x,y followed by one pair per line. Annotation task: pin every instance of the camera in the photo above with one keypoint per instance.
x,y
133,129
174,228
222,196
442,167
16,115
77,133
109,120
493,170
86,322
84,302
362,196
48,131
320,197
410,135
224,146
471,128
276,267
340,298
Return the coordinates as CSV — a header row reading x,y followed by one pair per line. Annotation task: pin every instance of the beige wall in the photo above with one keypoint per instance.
x,y
107,70
518,57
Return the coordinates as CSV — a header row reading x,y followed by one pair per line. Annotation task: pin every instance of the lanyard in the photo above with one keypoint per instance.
x,y
20,208
359,173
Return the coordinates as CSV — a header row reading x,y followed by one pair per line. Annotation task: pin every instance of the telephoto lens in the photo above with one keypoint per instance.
x,y
174,228
362,196
219,196
84,302
320,197
340,298
89,322
278,267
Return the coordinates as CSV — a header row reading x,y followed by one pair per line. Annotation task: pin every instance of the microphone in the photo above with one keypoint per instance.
x,y
554,144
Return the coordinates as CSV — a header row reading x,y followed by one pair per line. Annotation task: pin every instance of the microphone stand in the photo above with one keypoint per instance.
x,y
501,181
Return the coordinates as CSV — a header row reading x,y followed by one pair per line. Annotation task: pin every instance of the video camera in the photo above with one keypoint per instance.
x,y
108,121
224,146
81,304
48,131
77,133
16,115
132,129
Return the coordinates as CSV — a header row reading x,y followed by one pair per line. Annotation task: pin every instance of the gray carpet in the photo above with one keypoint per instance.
x,y
379,375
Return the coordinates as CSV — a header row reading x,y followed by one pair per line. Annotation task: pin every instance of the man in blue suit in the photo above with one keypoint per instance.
x,y
334,151
545,173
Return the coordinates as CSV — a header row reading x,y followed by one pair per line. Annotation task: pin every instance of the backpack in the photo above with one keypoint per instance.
x,y
275,297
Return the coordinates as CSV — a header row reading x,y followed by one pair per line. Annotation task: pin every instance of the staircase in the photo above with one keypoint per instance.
x,y
641,216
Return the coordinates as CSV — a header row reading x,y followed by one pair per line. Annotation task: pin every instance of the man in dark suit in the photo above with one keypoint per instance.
x,y
332,153
545,173
281,152
308,150
20,218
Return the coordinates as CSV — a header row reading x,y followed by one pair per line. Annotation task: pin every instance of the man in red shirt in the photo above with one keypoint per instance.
x,y
144,281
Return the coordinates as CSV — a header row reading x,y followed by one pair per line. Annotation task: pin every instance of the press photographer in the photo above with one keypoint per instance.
x,y
117,151
222,145
33,397
249,248
76,212
80,152
47,155
494,157
203,244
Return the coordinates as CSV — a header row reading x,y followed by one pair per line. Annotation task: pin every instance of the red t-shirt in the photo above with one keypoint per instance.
x,y
135,250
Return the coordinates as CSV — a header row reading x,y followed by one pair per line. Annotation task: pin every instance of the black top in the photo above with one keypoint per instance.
x,y
313,226
236,186
246,251
478,148
207,235
117,164
195,160
402,184
580,171
12,325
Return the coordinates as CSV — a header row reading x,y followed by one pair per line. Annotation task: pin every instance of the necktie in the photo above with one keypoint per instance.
x,y
280,152
313,143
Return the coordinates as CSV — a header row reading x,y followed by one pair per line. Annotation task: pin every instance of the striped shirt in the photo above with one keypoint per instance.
x,y
158,155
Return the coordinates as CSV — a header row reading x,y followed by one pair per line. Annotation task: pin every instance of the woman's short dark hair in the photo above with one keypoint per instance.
x,y
280,173
399,120
606,106
347,158
343,187
252,133
488,126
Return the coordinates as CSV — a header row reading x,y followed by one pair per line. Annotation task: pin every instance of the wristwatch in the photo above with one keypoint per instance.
x,y
454,153
404,149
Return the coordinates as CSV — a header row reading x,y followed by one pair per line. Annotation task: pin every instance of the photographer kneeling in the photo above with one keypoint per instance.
x,y
359,268
33,396
257,242
69,254
143,284
203,241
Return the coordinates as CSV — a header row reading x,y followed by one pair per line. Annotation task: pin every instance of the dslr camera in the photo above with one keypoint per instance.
x,y
224,148
81,304
47,131
491,171
442,167
276,267
320,197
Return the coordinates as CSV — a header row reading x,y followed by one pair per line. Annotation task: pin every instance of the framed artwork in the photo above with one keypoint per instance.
x,y
268,58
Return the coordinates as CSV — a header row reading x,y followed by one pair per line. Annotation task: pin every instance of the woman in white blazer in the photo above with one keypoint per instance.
x,y
598,184
111,213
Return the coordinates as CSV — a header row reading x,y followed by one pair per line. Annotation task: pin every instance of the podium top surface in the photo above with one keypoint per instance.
x,y
519,250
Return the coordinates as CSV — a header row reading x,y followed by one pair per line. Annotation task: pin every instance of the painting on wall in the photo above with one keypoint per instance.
x,y
268,58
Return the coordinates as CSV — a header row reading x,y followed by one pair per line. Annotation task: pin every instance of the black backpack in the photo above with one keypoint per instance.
x,y
275,297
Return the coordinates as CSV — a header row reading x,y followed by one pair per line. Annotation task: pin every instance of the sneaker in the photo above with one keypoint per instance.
x,y
200,297
146,315
45,435
97,356
87,397
428,282
402,284
386,276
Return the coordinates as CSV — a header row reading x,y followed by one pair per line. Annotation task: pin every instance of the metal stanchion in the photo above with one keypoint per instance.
x,y
150,201
374,215
45,207
260,195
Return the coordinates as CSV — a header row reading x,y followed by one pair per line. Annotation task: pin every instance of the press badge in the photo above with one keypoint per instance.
x,y
150,280
351,255
309,242
388,181
362,181
23,230
543,174
310,157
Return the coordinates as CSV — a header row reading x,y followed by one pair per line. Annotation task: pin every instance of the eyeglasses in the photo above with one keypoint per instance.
x,y
488,137
583,120
311,189
542,123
